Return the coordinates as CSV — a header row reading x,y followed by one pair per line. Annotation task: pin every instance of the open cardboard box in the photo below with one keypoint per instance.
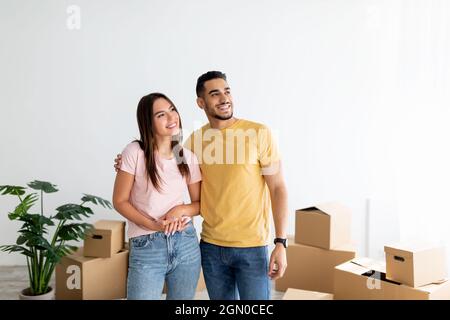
x,y
326,225
365,279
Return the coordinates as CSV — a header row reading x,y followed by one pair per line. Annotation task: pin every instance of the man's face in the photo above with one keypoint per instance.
x,y
216,99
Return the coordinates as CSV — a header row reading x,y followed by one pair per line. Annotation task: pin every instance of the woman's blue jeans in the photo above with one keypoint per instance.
x,y
155,258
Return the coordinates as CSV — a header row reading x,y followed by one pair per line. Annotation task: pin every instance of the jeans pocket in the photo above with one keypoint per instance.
x,y
140,242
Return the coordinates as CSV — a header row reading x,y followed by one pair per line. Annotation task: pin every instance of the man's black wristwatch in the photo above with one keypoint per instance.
x,y
281,240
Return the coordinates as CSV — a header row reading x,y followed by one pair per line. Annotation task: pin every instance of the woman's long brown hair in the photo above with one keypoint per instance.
x,y
147,140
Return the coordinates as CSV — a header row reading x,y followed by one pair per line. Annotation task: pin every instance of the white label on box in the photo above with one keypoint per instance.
x,y
74,280
374,281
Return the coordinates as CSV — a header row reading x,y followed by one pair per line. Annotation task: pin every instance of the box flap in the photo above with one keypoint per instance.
x,y
109,224
351,267
329,208
430,288
333,208
311,210
361,265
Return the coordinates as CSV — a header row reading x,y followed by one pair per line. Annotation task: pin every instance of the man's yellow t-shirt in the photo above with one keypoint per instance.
x,y
235,201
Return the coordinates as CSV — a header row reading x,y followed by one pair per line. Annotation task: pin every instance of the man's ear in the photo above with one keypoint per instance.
x,y
201,103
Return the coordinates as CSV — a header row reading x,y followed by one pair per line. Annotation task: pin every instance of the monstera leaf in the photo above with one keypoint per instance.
x,y
14,190
44,186
74,231
96,200
23,207
72,211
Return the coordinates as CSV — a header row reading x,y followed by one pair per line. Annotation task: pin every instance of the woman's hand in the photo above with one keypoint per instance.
x,y
175,220
176,225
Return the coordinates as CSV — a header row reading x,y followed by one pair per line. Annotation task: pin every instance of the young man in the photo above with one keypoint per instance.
x,y
241,172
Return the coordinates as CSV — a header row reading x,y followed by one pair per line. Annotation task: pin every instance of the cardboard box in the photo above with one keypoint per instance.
x,y
311,268
85,278
106,239
200,285
325,225
297,294
415,264
365,279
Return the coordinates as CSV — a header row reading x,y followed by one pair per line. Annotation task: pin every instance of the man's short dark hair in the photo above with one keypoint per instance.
x,y
208,76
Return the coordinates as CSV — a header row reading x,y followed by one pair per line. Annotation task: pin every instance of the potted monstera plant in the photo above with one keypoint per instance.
x,y
42,239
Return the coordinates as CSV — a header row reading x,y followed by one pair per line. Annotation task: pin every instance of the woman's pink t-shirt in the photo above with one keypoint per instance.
x,y
144,197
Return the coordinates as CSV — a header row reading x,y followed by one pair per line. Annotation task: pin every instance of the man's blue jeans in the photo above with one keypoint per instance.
x,y
232,273
157,257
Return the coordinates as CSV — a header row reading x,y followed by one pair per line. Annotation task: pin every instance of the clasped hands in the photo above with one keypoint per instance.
x,y
173,221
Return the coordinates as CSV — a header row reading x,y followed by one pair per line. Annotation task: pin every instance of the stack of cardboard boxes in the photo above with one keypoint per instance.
x,y
97,271
410,272
322,241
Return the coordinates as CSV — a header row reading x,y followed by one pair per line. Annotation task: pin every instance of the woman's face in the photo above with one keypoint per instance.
x,y
165,118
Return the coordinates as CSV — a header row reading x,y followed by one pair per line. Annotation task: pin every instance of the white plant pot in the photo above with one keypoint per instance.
x,y
25,295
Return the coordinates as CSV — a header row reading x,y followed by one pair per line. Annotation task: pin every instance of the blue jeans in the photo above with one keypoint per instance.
x,y
232,273
155,258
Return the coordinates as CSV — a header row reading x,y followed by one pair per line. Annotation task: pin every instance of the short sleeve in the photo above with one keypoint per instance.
x,y
267,148
194,168
130,158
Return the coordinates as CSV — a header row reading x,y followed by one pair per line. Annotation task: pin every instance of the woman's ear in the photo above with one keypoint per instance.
x,y
200,103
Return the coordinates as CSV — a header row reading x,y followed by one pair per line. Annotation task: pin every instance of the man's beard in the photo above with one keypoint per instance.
x,y
223,118
213,113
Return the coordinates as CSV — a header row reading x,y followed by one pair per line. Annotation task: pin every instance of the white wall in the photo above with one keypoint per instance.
x,y
357,92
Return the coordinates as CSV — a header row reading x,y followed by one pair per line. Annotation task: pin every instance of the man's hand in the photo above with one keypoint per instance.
x,y
118,162
278,262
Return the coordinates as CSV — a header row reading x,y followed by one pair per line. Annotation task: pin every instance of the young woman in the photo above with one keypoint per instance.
x,y
149,191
